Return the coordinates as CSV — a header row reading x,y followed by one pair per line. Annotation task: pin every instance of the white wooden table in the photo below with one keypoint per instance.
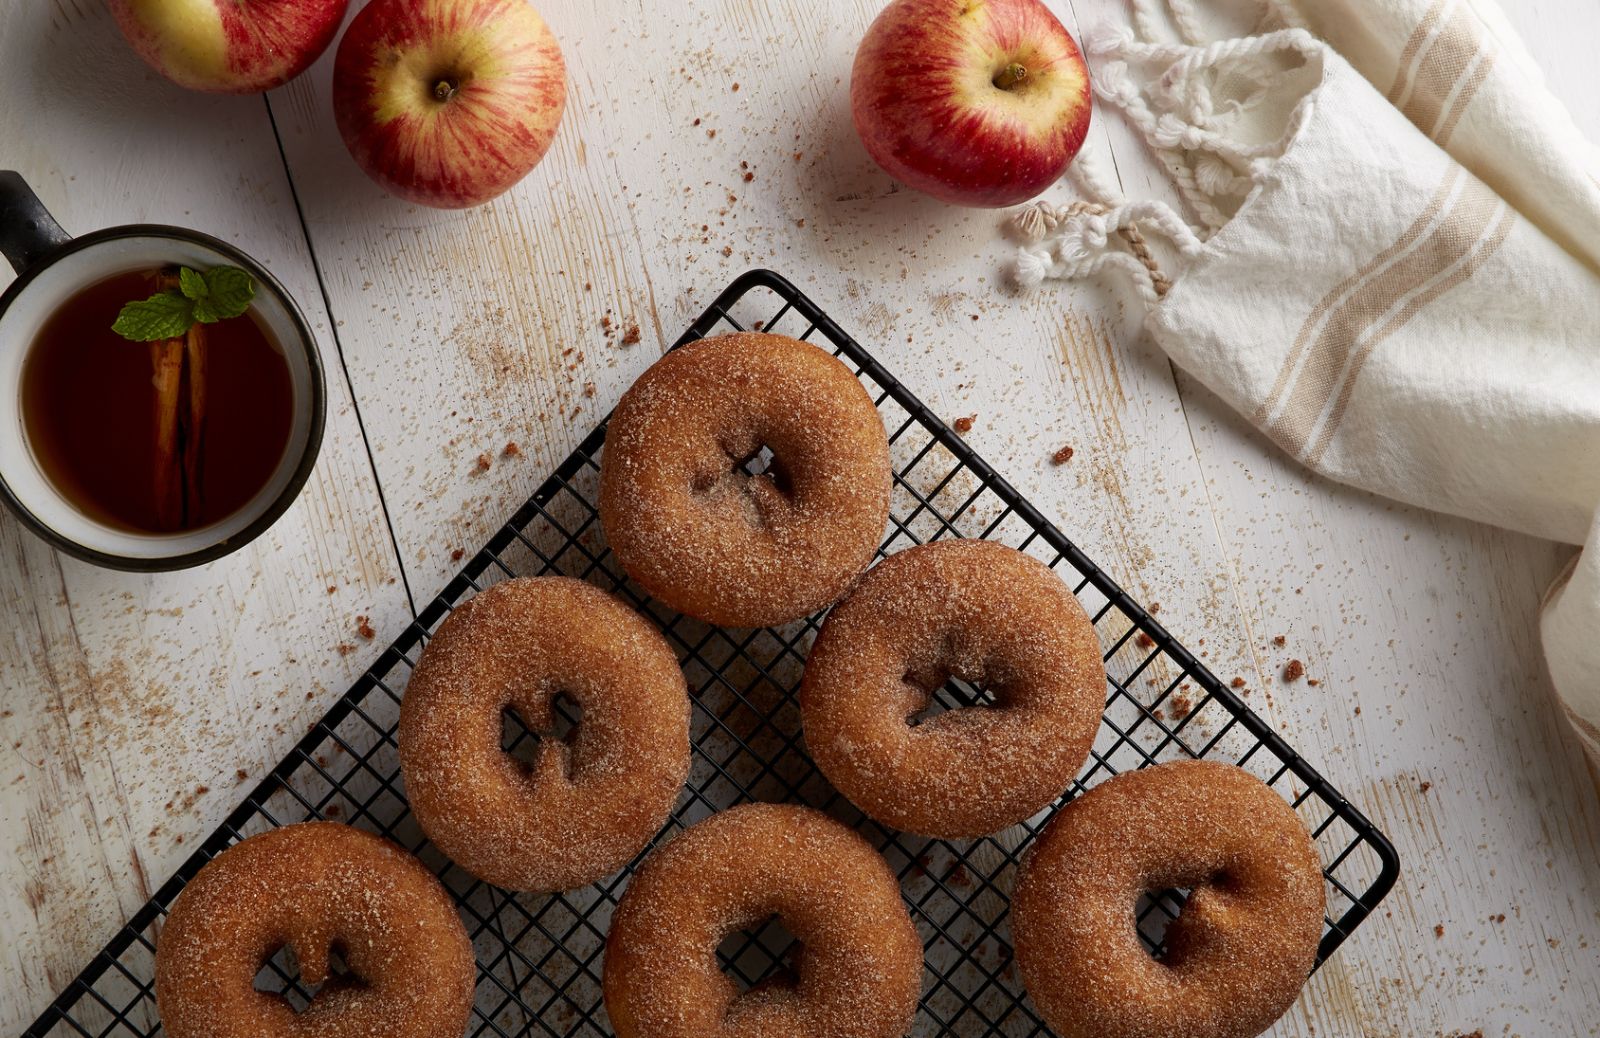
x,y
135,709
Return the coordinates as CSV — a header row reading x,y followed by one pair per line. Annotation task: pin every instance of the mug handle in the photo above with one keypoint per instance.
x,y
28,233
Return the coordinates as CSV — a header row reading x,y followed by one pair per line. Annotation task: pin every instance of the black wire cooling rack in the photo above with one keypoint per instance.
x,y
539,957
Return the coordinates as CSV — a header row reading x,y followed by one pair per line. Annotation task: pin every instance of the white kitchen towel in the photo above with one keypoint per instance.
x,y
1393,268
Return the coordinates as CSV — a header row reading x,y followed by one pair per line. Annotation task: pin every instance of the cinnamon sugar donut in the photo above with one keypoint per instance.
x,y
1238,953
978,611
859,970
583,807
702,535
315,888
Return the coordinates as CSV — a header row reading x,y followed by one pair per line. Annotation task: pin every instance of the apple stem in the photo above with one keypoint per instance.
x,y
444,90
1010,76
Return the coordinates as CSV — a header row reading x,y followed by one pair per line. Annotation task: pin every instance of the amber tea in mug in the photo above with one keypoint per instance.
x,y
154,437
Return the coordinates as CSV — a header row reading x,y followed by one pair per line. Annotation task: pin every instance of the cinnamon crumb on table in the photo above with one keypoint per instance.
x,y
364,628
964,425
1062,456
631,336
456,555
1237,683
511,450
1144,641
1294,671
483,463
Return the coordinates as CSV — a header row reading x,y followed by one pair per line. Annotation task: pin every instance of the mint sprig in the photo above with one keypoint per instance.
x,y
216,295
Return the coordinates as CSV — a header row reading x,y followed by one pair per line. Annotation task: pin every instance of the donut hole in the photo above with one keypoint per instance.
x,y
748,473
1154,913
523,743
761,955
936,691
1160,906
280,975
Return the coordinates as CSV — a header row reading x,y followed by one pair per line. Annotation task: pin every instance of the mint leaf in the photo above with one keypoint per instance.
x,y
230,292
205,310
193,285
165,315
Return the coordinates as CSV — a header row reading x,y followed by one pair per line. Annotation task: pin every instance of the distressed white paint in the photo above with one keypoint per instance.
x,y
463,332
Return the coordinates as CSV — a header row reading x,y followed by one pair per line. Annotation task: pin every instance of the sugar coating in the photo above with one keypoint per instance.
x,y
577,813
858,974
1238,953
979,611
313,887
705,537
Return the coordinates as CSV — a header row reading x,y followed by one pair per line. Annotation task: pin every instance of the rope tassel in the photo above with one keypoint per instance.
x,y
1175,111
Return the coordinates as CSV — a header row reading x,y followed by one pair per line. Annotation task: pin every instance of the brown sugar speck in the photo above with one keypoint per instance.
x,y
588,389
455,556
631,336
1144,641
345,649
1280,641
1313,682
964,425
1438,930
748,176
332,588
1424,786
364,628
727,250
511,450
483,463
1181,706
1237,683
711,133
1062,456
1294,671
735,88
241,774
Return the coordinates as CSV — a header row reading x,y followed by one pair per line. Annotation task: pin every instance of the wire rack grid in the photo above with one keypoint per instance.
x,y
539,958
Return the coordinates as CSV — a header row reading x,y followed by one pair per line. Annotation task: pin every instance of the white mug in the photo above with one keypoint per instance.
x,y
52,266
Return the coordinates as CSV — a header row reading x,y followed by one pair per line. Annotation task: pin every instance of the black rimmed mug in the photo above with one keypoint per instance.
x,y
52,266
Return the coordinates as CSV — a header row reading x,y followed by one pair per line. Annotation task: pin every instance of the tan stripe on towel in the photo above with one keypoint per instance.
x,y
1452,238
1325,305
1468,267
1456,54
1480,72
1406,67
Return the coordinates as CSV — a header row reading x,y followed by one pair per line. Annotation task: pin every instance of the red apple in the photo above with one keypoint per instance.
x,y
229,46
976,102
448,102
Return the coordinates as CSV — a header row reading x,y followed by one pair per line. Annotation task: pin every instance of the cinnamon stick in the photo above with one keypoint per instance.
x,y
166,359
180,383
193,433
